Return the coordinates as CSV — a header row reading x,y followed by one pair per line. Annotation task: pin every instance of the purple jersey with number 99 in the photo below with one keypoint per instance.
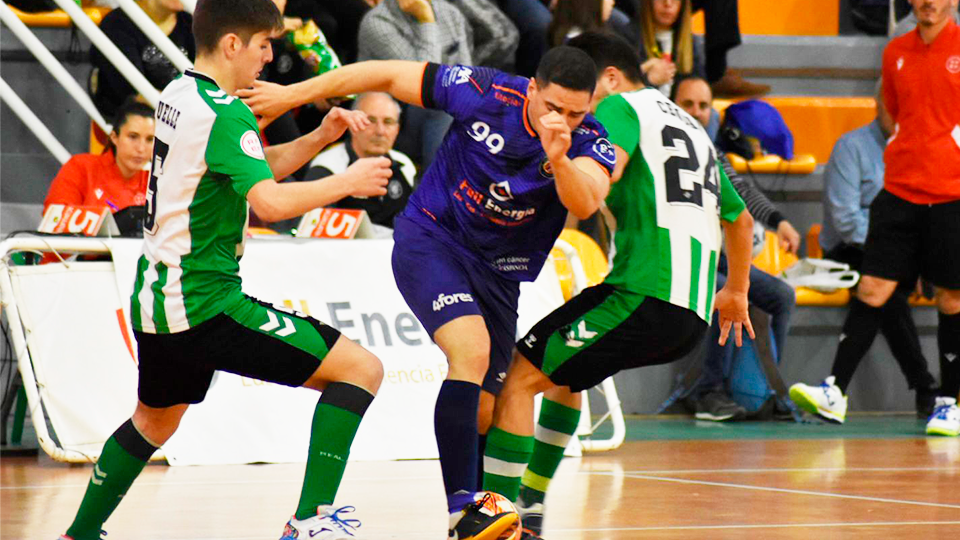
x,y
490,188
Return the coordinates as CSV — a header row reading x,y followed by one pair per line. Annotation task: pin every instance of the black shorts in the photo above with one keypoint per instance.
x,y
603,331
907,240
251,338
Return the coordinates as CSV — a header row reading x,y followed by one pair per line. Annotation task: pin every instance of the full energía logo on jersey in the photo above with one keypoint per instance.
x,y
501,191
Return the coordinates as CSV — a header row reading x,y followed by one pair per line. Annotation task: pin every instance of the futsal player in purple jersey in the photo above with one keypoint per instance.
x,y
520,154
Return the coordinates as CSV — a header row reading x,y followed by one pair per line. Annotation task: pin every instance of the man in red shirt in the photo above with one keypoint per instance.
x,y
116,178
914,225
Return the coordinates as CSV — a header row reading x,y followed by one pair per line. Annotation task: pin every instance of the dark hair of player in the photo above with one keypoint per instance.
x,y
568,67
680,79
214,19
608,50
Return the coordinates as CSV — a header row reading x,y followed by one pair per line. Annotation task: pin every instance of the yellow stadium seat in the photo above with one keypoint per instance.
x,y
785,18
773,259
818,122
58,18
772,164
252,231
813,242
591,257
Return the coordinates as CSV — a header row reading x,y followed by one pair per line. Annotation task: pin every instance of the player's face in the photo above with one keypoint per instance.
x,y
572,105
378,138
251,58
134,144
933,12
694,97
665,12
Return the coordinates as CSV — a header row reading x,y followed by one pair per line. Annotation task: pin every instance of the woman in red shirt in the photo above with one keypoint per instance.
x,y
117,177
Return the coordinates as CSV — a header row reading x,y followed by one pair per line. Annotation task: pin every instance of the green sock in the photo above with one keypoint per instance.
x,y
504,461
556,425
124,456
335,423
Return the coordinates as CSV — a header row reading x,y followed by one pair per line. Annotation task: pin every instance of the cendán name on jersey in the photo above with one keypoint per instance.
x,y
671,109
168,115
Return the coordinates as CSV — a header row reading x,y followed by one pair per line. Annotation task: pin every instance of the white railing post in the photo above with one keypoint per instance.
x,y
113,54
153,32
33,123
189,5
46,58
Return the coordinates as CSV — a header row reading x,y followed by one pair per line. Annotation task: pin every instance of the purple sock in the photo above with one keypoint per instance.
x,y
455,423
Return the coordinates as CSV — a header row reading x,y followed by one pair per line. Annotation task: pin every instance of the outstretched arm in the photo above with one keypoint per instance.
x,y
286,158
399,78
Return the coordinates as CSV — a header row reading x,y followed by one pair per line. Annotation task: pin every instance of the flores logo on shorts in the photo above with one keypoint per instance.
x,y
250,144
450,299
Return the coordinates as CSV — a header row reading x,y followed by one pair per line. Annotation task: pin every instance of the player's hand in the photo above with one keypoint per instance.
x,y
267,100
659,71
291,24
339,120
368,177
732,310
788,237
555,136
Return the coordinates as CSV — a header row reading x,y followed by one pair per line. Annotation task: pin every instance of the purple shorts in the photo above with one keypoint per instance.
x,y
441,283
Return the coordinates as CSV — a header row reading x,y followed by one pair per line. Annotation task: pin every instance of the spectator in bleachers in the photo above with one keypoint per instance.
x,y
914,227
573,17
771,294
108,87
666,39
374,141
495,37
852,179
532,18
419,30
722,23
117,178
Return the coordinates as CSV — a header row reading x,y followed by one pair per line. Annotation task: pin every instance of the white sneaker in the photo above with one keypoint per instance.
x,y
825,400
328,524
945,419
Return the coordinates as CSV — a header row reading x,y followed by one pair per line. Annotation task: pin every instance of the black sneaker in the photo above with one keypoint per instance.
x,y
531,517
483,520
719,407
926,401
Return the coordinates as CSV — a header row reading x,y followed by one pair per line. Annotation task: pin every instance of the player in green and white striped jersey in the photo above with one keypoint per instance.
x,y
654,307
190,316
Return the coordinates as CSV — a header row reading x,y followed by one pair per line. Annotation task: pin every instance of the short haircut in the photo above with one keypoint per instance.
x,y
363,97
609,50
686,77
214,19
568,67
131,107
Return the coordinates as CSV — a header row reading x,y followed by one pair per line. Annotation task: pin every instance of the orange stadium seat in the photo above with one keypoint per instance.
x,y
818,122
58,18
591,257
785,18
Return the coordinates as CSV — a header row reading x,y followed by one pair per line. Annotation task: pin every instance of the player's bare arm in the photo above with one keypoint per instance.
x,y
399,78
731,302
286,158
272,201
582,183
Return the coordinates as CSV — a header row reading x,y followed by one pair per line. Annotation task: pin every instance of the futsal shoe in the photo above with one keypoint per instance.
x,y
825,400
531,516
103,536
328,524
945,419
490,517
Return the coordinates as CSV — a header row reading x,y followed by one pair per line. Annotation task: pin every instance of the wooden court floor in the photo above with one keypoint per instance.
x,y
722,489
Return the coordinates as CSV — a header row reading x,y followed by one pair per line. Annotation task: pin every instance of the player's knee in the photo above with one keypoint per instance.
x,y
469,366
948,301
369,372
874,291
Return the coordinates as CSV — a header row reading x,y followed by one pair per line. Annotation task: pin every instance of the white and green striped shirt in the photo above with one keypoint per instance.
x,y
207,155
666,208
